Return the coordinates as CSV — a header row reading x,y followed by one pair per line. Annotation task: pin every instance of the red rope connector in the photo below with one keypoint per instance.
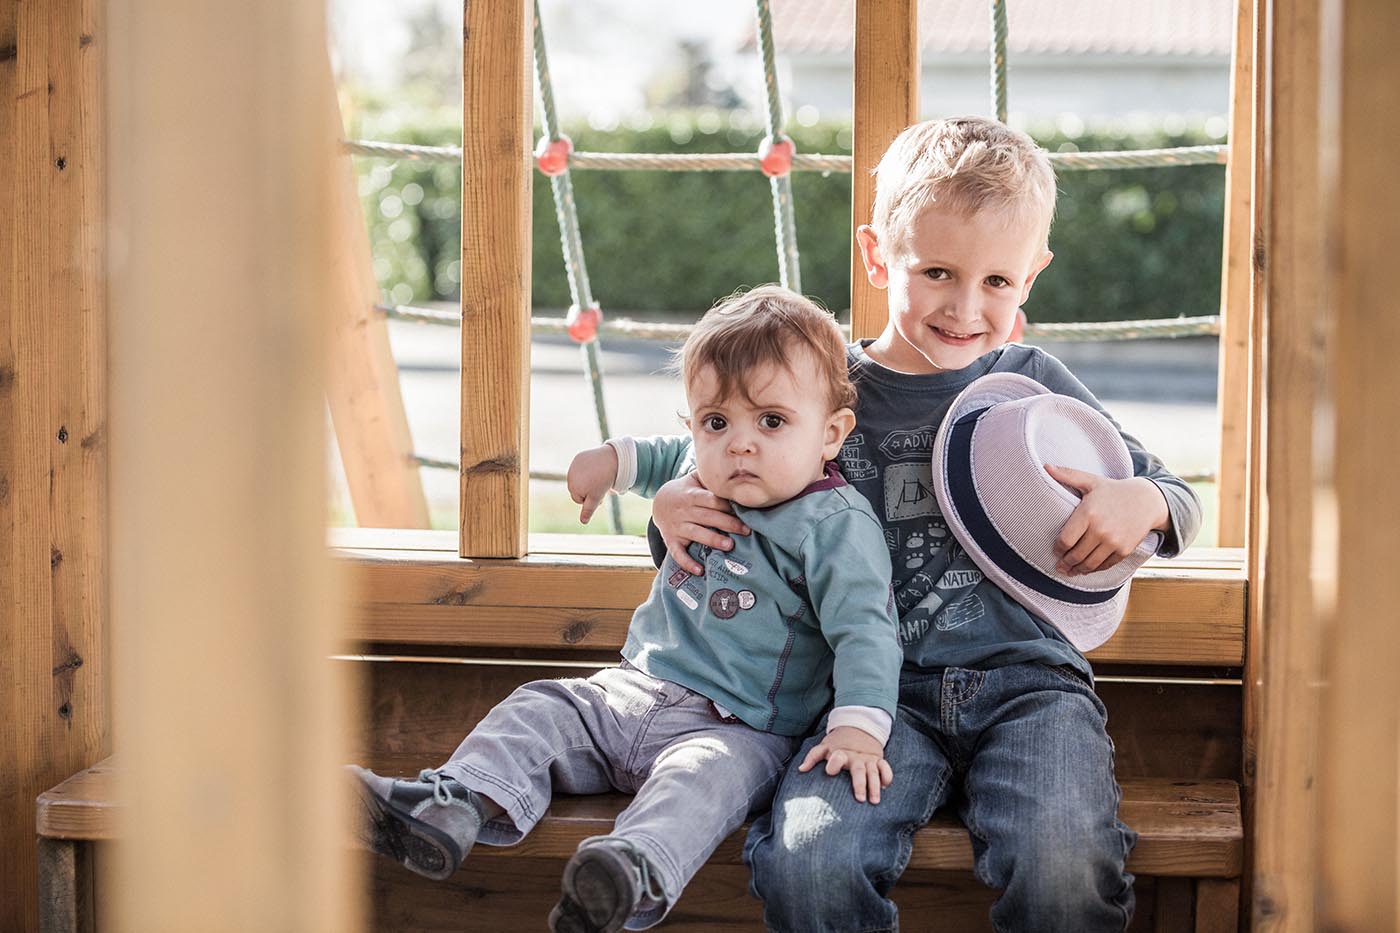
x,y
552,155
582,323
775,156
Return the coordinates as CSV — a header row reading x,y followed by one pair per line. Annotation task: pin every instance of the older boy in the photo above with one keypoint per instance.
x,y
997,713
721,672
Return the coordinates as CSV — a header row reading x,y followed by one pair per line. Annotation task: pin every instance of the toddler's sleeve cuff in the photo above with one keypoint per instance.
x,y
626,450
869,719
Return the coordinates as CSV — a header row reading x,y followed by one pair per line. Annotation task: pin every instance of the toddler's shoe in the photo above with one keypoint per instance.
x,y
428,825
603,884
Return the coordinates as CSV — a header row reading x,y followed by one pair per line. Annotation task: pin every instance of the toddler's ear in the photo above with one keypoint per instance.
x,y
872,257
840,424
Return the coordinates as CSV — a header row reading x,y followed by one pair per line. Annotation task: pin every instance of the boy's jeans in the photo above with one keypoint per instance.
x,y
696,776
1026,746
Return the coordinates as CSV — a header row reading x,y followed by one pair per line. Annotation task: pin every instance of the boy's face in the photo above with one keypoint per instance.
x,y
953,286
764,451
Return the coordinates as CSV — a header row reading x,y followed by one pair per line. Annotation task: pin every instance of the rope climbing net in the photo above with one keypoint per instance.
x,y
776,158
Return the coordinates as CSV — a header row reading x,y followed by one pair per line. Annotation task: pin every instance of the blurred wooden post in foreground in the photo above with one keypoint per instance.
x,y
229,719
1360,747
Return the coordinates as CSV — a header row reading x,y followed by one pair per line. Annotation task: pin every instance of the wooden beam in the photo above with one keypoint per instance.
x,y
219,201
1174,616
886,101
53,410
1237,282
496,179
1285,669
1360,854
362,379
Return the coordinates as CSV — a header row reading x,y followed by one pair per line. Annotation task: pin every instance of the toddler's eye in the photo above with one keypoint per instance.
x,y
997,281
936,273
715,423
771,421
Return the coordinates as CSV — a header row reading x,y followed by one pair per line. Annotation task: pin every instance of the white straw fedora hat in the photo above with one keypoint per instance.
x,y
1003,507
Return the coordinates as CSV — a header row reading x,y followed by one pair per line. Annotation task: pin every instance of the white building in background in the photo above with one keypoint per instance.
x,y
1098,60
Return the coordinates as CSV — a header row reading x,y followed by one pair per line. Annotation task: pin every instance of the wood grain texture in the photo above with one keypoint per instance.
x,y
1285,668
886,101
362,379
1187,828
418,712
1174,616
496,180
1237,281
53,411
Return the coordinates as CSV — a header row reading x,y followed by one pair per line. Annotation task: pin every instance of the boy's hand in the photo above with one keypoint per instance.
x,y
1112,518
685,511
849,748
590,476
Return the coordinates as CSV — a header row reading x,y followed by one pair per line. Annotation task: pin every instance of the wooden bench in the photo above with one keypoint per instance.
x,y
442,639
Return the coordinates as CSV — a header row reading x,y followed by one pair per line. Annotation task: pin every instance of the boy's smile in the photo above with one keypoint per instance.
x,y
764,448
953,286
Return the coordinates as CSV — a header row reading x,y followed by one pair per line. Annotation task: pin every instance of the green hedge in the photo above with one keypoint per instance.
x,y
1142,243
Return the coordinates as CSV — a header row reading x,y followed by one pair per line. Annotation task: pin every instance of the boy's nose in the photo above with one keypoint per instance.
x,y
741,443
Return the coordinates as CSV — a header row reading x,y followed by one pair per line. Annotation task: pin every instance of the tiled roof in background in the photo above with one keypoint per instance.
x,y
1052,27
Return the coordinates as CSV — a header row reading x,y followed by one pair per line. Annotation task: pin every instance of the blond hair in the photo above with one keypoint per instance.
x,y
968,164
765,326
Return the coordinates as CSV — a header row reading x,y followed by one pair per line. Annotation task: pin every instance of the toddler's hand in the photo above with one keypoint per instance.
x,y
849,748
685,511
590,476
1112,518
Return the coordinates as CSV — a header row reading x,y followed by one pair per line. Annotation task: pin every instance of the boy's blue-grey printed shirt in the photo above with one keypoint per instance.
x,y
949,615
801,603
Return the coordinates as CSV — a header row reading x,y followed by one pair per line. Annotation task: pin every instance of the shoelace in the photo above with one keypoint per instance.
x,y
651,887
440,793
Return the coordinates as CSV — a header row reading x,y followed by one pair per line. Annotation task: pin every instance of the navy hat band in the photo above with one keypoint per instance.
x,y
962,493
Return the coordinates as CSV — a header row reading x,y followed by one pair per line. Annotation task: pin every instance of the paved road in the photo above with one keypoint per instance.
x,y
1163,391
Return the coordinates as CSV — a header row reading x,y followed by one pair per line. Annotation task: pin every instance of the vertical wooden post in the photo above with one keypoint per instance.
x,y
496,127
231,718
1360,853
53,410
886,101
1237,283
362,384
1284,670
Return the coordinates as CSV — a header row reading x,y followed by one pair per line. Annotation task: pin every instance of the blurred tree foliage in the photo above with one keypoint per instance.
x,y
1141,243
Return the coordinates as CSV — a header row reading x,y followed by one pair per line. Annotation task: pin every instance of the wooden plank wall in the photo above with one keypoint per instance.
x,y
886,101
53,438
230,719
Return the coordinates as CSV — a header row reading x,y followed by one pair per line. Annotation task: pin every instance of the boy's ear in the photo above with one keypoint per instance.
x,y
870,254
840,424
1038,268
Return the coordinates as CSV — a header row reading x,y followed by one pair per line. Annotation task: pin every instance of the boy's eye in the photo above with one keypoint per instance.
x,y
715,423
936,273
771,421
997,281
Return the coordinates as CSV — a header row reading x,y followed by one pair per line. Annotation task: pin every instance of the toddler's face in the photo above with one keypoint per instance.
x,y
954,288
764,449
